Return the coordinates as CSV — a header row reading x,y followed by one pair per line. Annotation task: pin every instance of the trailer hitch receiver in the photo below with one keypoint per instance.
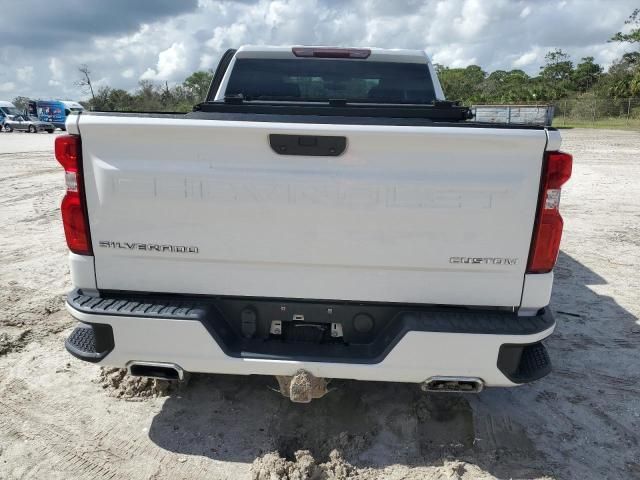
x,y
302,387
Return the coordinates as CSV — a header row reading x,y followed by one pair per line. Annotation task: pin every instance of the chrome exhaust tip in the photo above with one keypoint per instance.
x,y
453,384
159,370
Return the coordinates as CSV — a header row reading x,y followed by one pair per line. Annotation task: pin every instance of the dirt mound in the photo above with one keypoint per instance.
x,y
122,385
27,306
304,467
11,343
347,444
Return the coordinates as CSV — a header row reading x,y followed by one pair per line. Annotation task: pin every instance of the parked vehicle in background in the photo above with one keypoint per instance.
x,y
325,213
53,111
7,111
71,107
27,124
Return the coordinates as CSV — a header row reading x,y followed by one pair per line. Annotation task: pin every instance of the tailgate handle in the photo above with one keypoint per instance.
x,y
315,145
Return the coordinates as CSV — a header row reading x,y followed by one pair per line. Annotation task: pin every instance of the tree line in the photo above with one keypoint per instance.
x,y
151,97
559,78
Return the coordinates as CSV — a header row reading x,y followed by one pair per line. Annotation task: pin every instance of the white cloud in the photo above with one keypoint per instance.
x,y
473,20
225,37
453,56
170,61
56,68
495,34
25,74
528,58
7,87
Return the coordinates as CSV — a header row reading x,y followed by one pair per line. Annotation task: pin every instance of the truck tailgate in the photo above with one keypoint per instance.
x,y
437,214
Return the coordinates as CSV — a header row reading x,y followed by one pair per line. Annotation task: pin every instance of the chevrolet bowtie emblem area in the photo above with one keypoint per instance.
x,y
148,247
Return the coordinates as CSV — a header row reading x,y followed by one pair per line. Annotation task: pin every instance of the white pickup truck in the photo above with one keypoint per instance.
x,y
325,213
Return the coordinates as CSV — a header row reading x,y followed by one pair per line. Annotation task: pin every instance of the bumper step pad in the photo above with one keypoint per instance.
x,y
90,342
524,363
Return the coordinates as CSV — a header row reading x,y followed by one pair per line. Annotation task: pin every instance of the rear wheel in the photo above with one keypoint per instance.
x,y
8,129
50,131
32,129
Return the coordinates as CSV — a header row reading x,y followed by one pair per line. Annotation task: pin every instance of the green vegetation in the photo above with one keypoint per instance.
x,y
558,78
634,34
150,97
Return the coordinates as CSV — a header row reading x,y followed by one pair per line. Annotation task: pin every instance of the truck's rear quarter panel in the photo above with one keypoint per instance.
x,y
382,222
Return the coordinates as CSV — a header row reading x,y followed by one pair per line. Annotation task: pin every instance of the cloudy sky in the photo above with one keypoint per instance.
x,y
125,41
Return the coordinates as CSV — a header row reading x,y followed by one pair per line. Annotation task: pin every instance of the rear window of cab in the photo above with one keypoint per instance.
x,y
314,79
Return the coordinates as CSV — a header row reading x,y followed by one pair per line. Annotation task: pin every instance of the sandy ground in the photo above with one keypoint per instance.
x,y
63,419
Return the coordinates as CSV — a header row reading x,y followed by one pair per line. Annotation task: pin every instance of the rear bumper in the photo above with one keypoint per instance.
x,y
500,348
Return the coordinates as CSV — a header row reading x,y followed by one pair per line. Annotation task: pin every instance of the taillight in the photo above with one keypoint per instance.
x,y
74,212
331,52
548,226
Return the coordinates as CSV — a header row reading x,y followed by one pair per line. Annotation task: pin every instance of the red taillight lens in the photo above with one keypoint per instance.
x,y
74,212
67,149
547,232
331,52
75,225
559,165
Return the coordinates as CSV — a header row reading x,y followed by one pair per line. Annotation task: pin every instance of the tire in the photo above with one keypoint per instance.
x,y
8,129
32,129
50,131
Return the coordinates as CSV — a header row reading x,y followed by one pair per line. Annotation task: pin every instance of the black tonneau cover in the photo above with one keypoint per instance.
x,y
438,112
